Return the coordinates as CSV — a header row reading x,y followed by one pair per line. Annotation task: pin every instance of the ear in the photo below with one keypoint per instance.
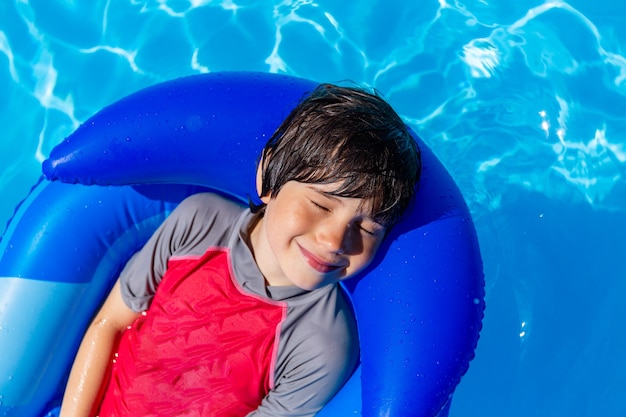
x,y
259,179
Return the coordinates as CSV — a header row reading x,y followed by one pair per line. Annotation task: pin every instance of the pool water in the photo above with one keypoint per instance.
x,y
523,101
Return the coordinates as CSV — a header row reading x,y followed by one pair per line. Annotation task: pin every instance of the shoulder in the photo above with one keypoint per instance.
x,y
200,221
332,329
201,212
209,204
331,316
322,338
318,353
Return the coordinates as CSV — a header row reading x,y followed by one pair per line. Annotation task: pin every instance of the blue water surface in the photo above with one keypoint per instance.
x,y
523,101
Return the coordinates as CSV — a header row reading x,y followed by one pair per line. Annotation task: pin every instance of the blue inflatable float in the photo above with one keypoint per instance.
x,y
109,185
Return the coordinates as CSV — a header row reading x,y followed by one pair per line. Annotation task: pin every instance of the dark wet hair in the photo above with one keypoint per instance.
x,y
351,137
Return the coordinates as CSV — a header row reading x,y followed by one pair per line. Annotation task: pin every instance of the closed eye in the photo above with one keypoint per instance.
x,y
370,227
368,231
319,206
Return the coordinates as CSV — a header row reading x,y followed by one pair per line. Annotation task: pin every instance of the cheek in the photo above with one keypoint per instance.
x,y
285,223
369,251
292,217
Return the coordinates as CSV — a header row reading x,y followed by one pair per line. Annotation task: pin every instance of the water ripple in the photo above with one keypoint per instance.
x,y
523,101
505,94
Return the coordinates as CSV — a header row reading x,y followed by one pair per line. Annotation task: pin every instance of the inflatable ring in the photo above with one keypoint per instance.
x,y
419,305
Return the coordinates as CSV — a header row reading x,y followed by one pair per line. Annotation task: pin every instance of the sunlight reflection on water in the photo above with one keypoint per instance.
x,y
522,101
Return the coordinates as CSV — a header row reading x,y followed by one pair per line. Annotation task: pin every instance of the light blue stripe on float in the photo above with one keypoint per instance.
x,y
38,339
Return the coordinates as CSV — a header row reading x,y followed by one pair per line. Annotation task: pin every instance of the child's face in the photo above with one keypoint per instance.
x,y
310,238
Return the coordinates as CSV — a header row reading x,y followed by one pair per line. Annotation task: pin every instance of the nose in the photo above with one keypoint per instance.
x,y
337,237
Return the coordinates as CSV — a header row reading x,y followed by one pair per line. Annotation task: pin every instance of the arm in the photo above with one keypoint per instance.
x,y
133,292
88,376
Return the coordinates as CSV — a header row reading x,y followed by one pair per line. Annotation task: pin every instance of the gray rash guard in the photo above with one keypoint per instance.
x,y
317,340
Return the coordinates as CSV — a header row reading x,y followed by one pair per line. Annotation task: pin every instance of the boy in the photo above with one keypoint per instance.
x,y
233,312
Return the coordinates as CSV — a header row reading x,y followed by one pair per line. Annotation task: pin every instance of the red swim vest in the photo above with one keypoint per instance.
x,y
203,348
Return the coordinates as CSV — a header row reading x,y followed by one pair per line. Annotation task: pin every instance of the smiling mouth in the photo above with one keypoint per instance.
x,y
318,264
